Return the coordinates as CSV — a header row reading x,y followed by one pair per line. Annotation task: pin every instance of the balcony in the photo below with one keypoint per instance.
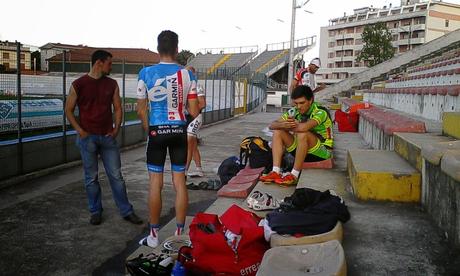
x,y
418,27
345,36
417,40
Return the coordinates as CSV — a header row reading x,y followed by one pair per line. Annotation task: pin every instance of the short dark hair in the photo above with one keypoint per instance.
x,y
167,43
101,55
302,91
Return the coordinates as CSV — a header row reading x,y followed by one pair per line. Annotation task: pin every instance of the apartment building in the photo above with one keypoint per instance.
x,y
411,24
8,57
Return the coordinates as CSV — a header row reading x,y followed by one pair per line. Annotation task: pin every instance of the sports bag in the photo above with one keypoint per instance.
x,y
257,151
211,252
228,169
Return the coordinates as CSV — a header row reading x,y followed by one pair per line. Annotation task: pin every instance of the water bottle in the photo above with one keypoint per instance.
x,y
178,269
291,112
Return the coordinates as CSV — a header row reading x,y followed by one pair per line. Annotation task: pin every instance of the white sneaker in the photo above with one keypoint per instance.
x,y
149,241
197,173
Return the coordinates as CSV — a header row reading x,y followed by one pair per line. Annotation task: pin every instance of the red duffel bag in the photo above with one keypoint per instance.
x,y
347,122
211,254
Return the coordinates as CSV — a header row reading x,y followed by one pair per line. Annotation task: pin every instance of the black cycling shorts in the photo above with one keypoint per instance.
x,y
163,138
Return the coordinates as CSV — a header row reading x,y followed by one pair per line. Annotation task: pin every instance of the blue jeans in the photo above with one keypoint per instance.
x,y
105,146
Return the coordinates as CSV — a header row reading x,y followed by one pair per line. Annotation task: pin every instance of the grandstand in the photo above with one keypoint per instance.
x,y
245,59
425,86
413,115
229,59
276,56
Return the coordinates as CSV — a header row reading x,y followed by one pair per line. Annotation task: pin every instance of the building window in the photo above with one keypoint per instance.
x,y
7,65
331,44
330,65
339,42
23,66
331,33
359,41
419,20
330,55
406,22
359,29
447,23
339,54
358,64
395,25
394,37
348,63
6,55
23,56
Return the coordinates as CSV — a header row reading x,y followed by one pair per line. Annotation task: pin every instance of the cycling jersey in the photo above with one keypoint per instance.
x,y
304,77
167,87
324,127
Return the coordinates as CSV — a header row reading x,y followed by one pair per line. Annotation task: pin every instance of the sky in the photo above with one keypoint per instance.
x,y
199,23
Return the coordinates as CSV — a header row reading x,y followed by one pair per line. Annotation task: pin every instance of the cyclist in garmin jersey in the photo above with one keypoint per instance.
x,y
164,91
305,131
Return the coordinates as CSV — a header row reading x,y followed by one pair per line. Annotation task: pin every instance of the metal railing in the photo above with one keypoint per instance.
x,y
32,120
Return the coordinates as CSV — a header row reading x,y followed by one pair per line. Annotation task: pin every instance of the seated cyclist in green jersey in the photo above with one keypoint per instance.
x,y
305,131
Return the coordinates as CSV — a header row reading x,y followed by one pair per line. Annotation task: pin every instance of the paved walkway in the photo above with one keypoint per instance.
x,y
45,231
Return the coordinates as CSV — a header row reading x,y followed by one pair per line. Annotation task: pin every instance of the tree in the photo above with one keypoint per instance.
x,y
184,56
377,44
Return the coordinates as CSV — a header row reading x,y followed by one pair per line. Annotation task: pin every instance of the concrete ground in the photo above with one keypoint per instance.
x,y
44,226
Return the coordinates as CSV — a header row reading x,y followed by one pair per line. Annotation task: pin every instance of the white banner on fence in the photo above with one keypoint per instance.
x,y
35,114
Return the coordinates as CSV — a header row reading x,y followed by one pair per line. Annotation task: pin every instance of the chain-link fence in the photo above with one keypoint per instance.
x,y
34,133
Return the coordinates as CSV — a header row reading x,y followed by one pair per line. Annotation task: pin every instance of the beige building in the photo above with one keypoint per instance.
x,y
411,24
49,50
8,57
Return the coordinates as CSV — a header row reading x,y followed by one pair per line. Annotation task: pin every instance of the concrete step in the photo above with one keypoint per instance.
x,y
383,175
433,153
282,240
450,164
451,124
315,259
409,145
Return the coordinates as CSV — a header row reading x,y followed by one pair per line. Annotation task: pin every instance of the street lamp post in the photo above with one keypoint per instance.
x,y
291,48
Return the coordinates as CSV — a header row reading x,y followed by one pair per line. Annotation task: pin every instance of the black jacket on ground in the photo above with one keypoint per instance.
x,y
308,212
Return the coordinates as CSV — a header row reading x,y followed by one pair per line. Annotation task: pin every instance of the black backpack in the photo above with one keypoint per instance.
x,y
257,151
228,169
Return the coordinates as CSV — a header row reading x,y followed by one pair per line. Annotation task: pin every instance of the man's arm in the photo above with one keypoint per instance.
x,y
70,104
304,127
142,113
293,85
118,110
192,106
201,102
281,124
